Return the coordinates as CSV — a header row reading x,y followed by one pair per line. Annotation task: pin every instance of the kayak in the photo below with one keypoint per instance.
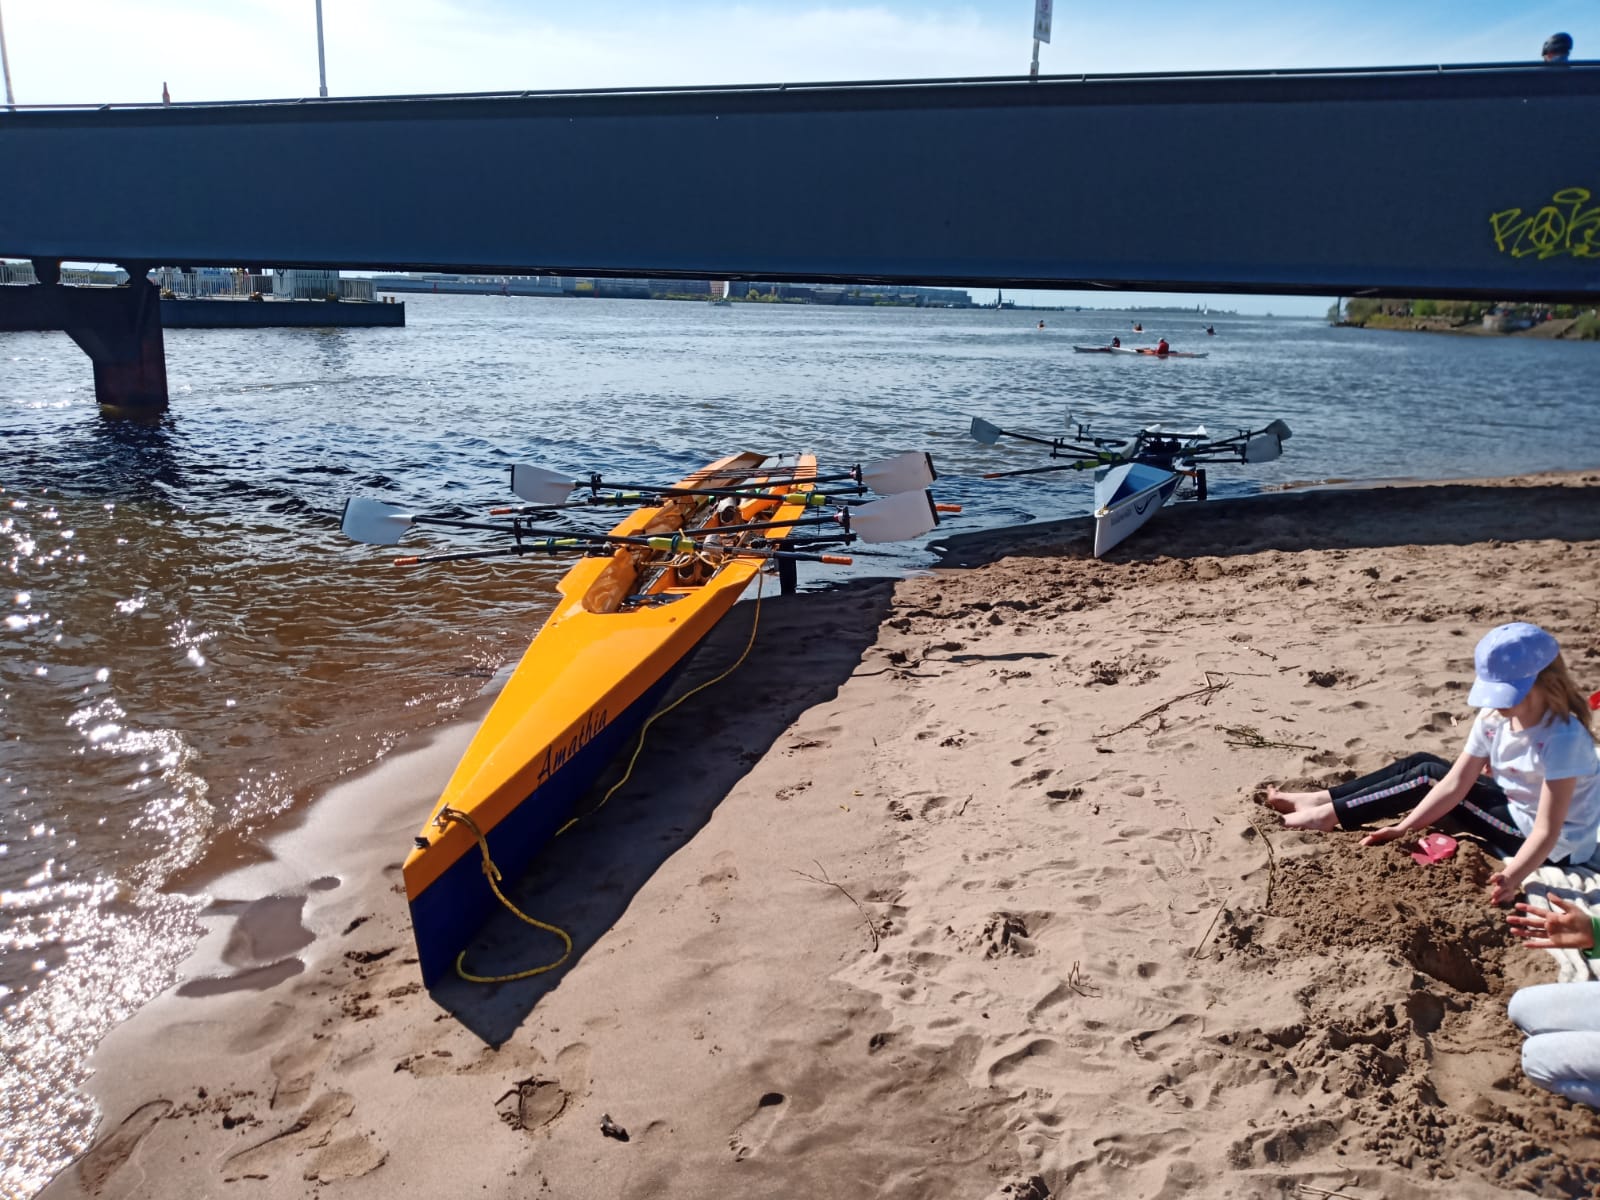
x,y
1095,349
1125,497
1172,353
624,625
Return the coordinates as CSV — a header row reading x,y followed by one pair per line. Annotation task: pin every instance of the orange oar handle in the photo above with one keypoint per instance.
x,y
838,560
949,507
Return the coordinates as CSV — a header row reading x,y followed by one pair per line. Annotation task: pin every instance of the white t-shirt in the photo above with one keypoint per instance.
x,y
1521,762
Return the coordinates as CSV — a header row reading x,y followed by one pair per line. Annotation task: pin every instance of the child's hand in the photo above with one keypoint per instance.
x,y
1389,833
1501,889
1566,927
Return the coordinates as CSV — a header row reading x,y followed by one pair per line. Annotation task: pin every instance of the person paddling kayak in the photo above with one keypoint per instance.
x,y
1115,342
1162,348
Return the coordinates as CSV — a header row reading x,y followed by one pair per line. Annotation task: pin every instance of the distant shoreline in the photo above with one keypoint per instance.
x,y
1562,329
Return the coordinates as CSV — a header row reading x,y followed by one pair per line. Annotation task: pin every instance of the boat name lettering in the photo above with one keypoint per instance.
x,y
560,753
1562,227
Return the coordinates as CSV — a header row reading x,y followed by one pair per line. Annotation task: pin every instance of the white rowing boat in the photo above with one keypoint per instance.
x,y
1125,498
1135,476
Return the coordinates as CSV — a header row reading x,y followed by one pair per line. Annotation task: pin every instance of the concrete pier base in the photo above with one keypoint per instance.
x,y
118,328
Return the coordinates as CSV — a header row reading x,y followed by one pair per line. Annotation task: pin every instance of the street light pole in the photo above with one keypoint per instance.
x,y
322,63
1041,32
5,66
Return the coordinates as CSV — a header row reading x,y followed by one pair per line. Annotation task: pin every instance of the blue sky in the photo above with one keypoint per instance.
x,y
92,51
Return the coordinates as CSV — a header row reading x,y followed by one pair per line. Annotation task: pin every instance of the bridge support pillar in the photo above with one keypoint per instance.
x,y
118,328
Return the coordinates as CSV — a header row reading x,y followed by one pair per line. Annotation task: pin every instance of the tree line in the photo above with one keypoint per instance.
x,y
1364,310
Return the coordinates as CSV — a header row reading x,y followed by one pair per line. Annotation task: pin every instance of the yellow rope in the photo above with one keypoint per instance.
x,y
492,873
755,623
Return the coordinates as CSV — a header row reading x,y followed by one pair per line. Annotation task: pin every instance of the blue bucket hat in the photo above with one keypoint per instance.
x,y
1508,661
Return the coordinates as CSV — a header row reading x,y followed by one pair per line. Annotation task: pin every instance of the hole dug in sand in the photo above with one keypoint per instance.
x,y
1404,1051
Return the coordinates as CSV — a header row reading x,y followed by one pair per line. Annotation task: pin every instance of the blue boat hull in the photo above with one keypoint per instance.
x,y
451,910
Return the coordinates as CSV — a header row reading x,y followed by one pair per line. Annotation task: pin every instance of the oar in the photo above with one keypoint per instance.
x,y
1262,445
908,472
556,545
989,433
892,519
383,525
1088,464
805,499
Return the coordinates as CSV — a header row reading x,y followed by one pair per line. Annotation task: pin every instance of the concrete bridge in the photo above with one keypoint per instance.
x,y
1465,181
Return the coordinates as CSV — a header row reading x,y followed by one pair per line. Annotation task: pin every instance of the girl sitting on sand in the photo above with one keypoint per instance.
x,y
1562,1020
1538,799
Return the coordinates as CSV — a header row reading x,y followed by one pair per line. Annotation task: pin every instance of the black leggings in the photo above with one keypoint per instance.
x,y
1400,787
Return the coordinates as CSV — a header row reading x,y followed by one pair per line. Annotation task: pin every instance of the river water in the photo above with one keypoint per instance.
x,y
192,650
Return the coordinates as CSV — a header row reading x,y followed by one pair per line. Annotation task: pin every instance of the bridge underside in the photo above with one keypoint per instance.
x,y
1473,182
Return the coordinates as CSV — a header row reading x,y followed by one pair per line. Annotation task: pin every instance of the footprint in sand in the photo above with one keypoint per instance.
x,y
111,1151
321,1128
531,1104
1035,1063
756,1129
1033,778
723,870
294,1071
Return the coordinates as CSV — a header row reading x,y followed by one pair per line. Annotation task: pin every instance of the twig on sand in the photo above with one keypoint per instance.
x,y
1254,649
1316,1191
964,804
1221,908
1252,738
1079,982
826,882
1272,863
1210,690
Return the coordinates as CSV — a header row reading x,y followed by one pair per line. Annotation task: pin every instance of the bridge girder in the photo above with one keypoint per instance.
x,y
1462,181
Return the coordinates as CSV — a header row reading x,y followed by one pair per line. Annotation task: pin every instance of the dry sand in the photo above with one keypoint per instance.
x,y
959,888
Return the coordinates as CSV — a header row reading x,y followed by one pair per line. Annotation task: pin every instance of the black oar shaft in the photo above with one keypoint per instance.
x,y
721,529
752,492
412,560
1074,466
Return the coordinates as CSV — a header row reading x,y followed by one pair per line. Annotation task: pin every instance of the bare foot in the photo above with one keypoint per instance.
x,y
1288,802
1320,817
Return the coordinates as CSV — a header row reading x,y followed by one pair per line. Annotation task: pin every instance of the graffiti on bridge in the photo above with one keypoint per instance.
x,y
1564,227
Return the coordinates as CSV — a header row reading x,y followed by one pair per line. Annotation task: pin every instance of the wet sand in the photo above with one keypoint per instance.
x,y
960,887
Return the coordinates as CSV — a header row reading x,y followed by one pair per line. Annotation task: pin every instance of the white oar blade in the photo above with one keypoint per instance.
x,y
895,518
909,472
1262,447
374,521
985,432
1279,430
538,485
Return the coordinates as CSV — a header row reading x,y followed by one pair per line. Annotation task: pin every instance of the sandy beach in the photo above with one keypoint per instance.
x,y
959,887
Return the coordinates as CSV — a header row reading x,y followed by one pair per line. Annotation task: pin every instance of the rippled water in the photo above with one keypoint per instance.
x,y
191,649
